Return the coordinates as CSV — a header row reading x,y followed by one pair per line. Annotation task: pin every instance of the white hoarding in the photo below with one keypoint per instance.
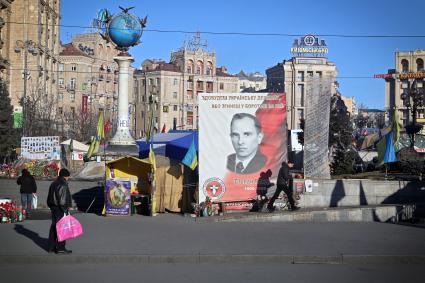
x,y
40,147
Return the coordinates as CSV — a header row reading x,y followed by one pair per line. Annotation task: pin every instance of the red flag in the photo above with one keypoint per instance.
x,y
163,129
107,126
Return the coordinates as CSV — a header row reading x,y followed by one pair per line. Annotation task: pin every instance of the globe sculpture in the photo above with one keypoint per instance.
x,y
125,30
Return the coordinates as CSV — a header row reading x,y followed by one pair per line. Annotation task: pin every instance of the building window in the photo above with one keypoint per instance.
x,y
299,99
420,64
209,86
175,94
209,68
72,83
175,82
310,74
60,110
221,86
404,66
73,67
189,67
300,114
175,108
319,74
60,82
61,67
158,81
73,112
72,96
60,96
300,76
199,85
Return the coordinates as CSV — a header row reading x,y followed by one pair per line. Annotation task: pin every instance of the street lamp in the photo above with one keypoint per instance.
x,y
31,47
413,97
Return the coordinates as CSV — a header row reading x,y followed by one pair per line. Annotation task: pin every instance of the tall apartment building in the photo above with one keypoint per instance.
x,y
33,49
5,14
350,103
251,82
405,63
299,74
88,78
172,88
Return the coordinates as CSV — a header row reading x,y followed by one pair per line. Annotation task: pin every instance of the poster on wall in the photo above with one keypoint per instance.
x,y
47,147
118,197
242,143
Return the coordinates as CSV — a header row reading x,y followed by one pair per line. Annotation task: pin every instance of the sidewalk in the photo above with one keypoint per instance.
x,y
174,238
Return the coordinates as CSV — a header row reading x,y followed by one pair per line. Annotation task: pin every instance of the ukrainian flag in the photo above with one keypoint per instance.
x,y
387,147
191,158
100,135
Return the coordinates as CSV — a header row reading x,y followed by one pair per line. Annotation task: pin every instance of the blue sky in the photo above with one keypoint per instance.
x,y
354,57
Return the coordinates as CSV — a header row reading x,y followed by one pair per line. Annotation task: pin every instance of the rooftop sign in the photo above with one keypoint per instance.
x,y
401,76
309,46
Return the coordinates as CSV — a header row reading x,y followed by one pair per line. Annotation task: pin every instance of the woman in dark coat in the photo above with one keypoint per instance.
x,y
28,190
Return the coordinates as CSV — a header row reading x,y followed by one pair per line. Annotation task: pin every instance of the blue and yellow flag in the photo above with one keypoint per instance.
x,y
100,136
152,160
387,146
191,158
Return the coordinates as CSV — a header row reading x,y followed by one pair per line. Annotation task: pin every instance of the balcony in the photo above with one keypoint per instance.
x,y
70,88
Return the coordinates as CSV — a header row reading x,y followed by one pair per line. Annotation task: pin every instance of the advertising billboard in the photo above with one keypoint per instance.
x,y
242,138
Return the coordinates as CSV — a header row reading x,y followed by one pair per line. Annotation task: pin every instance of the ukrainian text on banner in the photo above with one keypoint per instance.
x,y
118,197
241,137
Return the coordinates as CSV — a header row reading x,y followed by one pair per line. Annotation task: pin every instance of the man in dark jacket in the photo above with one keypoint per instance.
x,y
28,189
59,202
284,183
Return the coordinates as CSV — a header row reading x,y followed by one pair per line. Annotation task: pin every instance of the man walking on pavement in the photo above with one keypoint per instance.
x,y
284,183
59,202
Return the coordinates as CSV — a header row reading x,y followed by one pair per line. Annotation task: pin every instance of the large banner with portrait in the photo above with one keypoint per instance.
x,y
242,143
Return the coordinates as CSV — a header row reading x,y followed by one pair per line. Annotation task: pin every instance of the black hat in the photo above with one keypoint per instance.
x,y
64,173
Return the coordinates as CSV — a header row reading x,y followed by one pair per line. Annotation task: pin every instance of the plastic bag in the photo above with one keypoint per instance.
x,y
68,227
34,201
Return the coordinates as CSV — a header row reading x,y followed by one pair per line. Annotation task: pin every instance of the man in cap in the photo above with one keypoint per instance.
x,y
59,202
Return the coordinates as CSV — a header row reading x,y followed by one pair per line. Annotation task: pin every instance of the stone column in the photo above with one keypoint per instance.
x,y
122,135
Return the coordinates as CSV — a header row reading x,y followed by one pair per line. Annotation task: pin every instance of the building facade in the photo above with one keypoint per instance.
x,y
350,103
294,77
5,14
251,82
88,79
34,50
406,63
172,89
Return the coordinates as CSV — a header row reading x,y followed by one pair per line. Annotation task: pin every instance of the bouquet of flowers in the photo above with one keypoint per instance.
x,y
51,169
10,213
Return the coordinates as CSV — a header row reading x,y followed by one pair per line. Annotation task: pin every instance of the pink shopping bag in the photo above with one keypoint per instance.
x,y
68,227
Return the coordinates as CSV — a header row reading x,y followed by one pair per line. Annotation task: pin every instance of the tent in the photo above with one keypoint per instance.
x,y
179,140
177,148
125,176
175,186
